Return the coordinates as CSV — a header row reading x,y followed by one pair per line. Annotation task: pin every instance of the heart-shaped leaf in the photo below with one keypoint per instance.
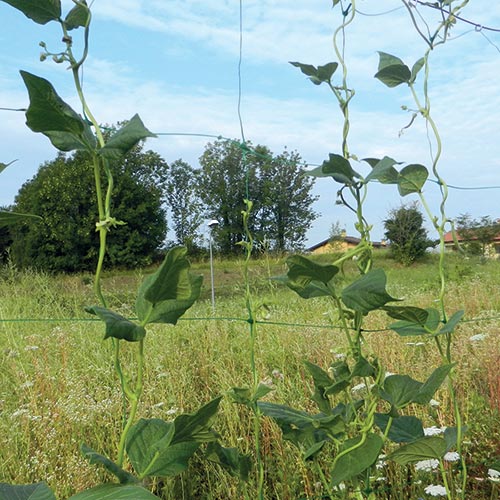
x,y
404,429
159,448
337,167
414,315
40,11
451,324
392,71
412,179
230,459
168,293
413,326
125,139
38,491
95,458
383,171
416,68
115,492
367,293
49,114
117,326
78,16
364,452
426,448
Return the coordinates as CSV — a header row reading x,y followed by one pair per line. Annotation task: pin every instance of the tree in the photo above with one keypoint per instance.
x,y
276,185
408,238
183,202
63,194
476,234
285,201
223,178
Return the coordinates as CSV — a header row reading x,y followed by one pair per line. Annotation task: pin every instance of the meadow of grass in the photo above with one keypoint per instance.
x,y
58,387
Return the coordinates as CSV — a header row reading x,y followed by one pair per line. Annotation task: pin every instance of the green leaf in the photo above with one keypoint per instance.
x,y
159,448
392,71
115,492
426,448
117,326
363,368
432,384
302,270
7,218
230,459
95,458
325,72
197,426
261,391
308,432
451,436
362,456
167,294
414,315
125,139
412,179
3,166
40,11
307,69
37,491
410,328
78,16
416,68
150,449
49,114
321,381
337,167
383,171
400,390
307,278
367,293
451,324
403,429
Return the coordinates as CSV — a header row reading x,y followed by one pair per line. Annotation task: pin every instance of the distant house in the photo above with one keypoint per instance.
x,y
492,249
341,244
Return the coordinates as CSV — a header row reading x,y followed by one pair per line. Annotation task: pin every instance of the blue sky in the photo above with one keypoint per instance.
x,y
176,64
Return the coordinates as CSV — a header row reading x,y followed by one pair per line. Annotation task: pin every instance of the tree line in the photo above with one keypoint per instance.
x,y
147,192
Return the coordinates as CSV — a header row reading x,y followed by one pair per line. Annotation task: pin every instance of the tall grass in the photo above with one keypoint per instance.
x,y
57,386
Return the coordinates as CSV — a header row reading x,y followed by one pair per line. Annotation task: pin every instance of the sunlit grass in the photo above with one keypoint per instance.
x,y
58,387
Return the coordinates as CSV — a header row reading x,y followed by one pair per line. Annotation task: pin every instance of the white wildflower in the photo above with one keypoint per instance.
x,y
358,387
19,412
434,431
381,463
436,490
172,411
451,456
427,465
478,337
277,374
27,385
494,475
434,403
159,405
31,348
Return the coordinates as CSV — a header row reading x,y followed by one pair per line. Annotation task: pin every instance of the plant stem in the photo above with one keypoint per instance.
x,y
134,398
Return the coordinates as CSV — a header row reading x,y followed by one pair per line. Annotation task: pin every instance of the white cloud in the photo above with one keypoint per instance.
x,y
463,89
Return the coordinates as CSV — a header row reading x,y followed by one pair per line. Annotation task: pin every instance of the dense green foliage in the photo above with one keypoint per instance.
x,y
184,205
280,192
476,234
63,194
405,230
